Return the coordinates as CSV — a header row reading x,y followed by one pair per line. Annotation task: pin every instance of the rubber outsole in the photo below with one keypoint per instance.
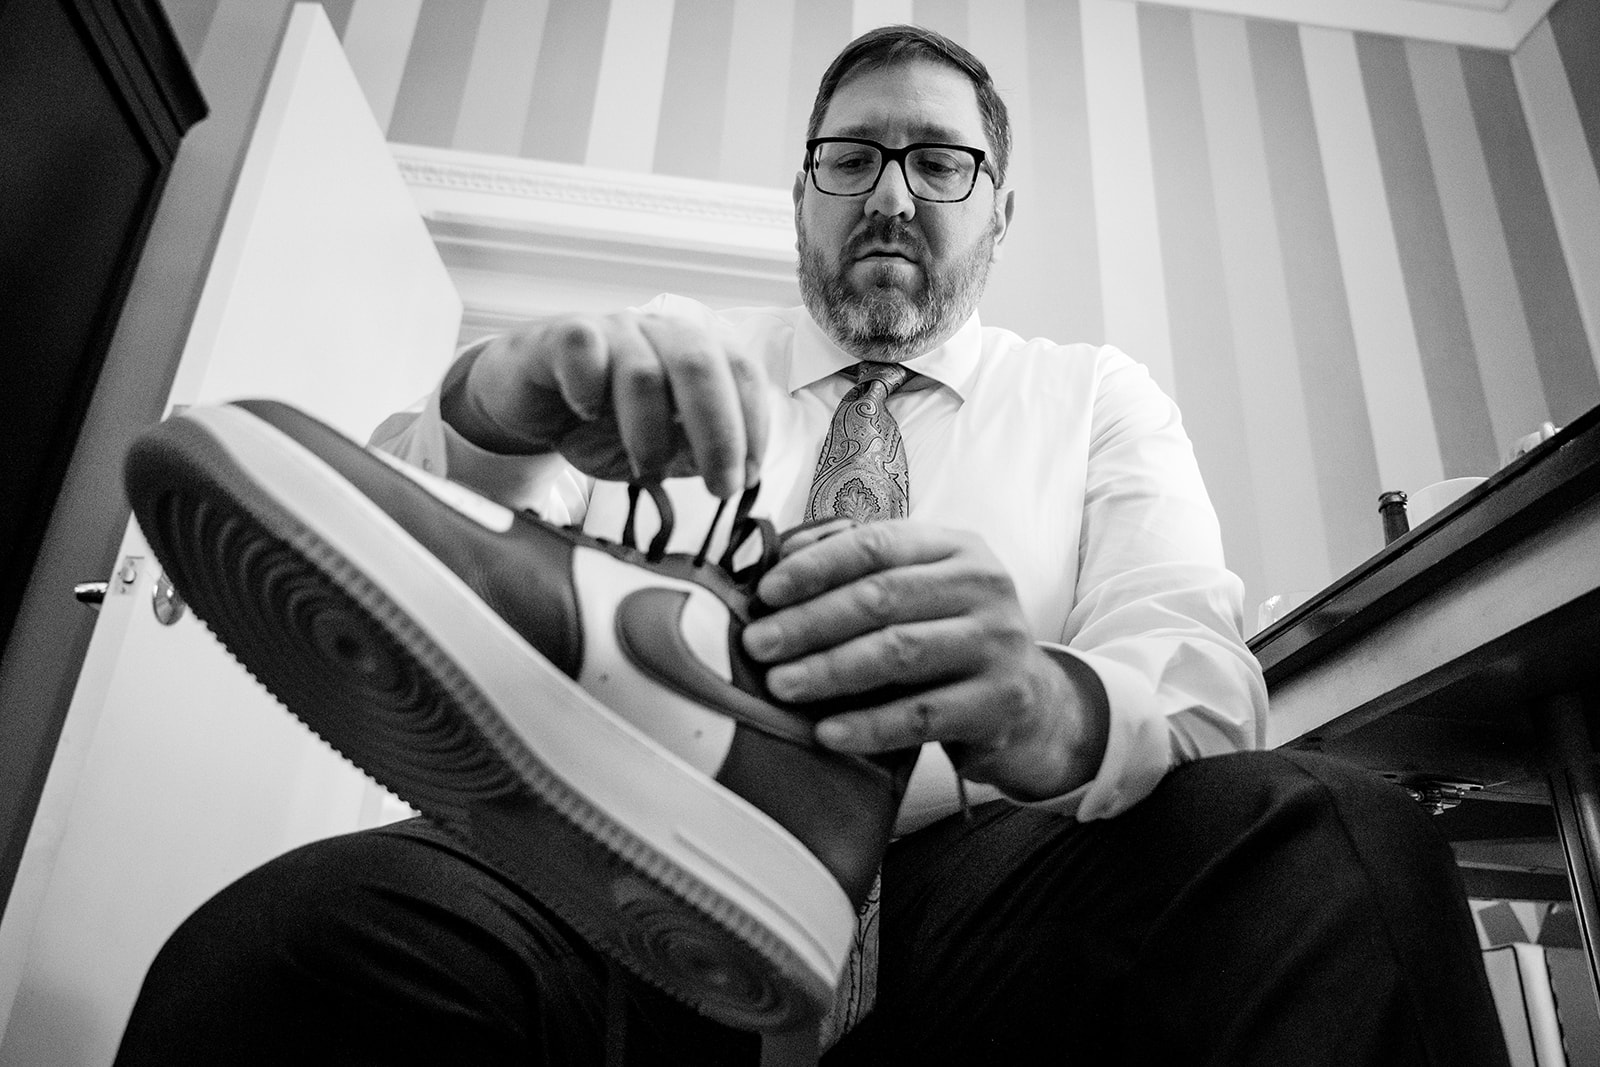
x,y
359,671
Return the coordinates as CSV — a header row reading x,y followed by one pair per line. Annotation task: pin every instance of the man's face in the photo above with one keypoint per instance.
x,y
889,276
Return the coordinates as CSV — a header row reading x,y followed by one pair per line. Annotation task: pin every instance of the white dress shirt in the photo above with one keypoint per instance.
x,y
1066,459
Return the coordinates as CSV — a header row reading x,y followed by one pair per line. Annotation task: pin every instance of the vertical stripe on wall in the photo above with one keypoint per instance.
x,y
821,29
694,95
1495,316
998,34
1576,27
429,99
1386,341
870,14
376,43
1282,465
1324,339
1203,343
1124,187
1559,345
1569,170
754,147
562,103
494,103
1449,369
627,96
338,12
948,17
1018,294
1063,205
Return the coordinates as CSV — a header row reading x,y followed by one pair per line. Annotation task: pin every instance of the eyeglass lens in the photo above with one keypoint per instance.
x,y
932,173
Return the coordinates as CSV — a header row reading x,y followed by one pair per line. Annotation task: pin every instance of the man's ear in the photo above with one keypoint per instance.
x,y
799,191
1003,206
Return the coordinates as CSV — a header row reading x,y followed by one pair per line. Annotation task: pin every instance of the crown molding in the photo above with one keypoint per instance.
x,y
1501,25
511,193
525,237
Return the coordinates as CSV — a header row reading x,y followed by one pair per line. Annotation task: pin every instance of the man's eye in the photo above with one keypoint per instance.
x,y
938,165
849,164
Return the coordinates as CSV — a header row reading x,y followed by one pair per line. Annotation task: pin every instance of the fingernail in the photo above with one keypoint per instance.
x,y
752,472
775,588
760,639
783,682
833,733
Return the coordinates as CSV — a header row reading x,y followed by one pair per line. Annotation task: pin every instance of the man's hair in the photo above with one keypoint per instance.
x,y
889,46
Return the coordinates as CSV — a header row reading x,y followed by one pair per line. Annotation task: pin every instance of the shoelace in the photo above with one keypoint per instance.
x,y
744,527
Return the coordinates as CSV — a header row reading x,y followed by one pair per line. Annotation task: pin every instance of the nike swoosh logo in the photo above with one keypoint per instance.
x,y
650,632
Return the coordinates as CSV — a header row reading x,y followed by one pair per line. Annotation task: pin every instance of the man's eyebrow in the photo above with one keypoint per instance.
x,y
918,132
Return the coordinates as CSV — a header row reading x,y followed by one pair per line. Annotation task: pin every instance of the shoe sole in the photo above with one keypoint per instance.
x,y
428,691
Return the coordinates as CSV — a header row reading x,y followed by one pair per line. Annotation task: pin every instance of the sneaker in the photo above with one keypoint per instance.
x,y
578,711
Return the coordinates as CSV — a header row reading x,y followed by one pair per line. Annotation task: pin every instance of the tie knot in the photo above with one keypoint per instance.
x,y
892,375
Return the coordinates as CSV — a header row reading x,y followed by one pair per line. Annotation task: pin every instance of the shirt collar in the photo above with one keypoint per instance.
x,y
952,364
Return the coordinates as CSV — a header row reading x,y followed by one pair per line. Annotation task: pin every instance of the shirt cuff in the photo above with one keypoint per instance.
x,y
546,484
1138,745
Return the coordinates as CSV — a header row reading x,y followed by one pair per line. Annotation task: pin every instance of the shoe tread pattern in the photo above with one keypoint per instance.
x,y
394,704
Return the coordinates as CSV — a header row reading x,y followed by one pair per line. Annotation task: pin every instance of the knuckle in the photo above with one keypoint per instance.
x,y
577,336
920,720
822,671
1012,690
691,364
900,650
995,583
640,376
875,597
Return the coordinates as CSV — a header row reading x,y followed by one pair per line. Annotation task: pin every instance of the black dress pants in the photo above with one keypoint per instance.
x,y
1261,908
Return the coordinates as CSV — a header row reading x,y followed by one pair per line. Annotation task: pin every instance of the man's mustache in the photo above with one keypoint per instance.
x,y
881,232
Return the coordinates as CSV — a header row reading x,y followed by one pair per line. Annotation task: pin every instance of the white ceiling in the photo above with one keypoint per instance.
x,y
1498,24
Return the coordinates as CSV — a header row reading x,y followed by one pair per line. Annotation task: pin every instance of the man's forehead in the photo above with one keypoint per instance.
x,y
921,100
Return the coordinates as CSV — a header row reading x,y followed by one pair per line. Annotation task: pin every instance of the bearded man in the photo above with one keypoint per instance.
x,y
1037,569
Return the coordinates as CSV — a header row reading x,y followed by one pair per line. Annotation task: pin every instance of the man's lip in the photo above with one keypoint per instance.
x,y
886,253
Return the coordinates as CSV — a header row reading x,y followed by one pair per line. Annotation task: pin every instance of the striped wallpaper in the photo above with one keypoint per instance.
x,y
1358,262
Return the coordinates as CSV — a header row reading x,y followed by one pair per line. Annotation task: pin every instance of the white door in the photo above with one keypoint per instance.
x,y
176,772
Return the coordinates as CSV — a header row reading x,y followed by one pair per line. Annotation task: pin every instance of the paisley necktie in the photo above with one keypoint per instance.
x,y
861,475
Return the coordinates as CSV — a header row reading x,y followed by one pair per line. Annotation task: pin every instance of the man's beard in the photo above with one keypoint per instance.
x,y
883,321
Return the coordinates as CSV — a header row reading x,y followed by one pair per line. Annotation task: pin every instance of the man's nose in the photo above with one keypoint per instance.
x,y
891,197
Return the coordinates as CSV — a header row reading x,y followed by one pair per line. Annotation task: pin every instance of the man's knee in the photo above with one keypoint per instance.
x,y
1305,808
1247,784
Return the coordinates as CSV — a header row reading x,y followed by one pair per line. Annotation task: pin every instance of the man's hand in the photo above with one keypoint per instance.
x,y
620,396
907,603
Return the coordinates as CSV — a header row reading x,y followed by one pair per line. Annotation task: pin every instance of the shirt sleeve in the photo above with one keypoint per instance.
x,y
1157,614
546,484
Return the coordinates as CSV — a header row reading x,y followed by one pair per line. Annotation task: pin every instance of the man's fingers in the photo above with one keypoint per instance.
x,y
908,654
833,561
643,402
957,713
885,598
750,382
578,361
703,391
811,532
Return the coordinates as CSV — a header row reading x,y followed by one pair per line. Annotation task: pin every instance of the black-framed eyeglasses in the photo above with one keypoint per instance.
x,y
851,166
